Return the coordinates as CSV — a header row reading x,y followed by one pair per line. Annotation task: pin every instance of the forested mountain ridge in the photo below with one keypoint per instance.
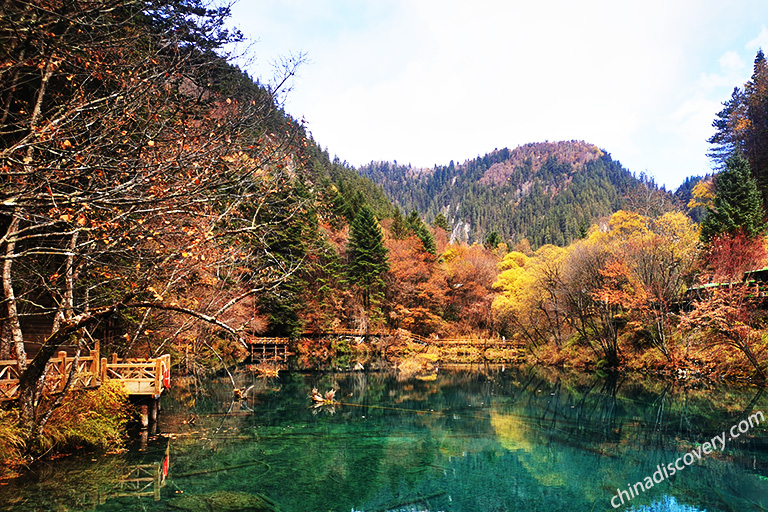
x,y
547,192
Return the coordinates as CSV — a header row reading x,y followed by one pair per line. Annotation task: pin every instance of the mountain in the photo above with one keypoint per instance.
x,y
546,192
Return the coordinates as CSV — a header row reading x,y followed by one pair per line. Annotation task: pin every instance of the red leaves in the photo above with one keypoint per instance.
x,y
729,256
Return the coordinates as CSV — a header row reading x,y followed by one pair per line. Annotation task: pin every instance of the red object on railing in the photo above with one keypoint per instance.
x,y
166,376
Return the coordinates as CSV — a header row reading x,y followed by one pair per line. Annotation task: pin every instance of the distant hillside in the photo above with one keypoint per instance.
x,y
547,192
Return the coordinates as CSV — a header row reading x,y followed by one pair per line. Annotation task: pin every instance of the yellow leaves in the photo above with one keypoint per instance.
x,y
679,230
512,260
625,224
515,285
703,194
155,295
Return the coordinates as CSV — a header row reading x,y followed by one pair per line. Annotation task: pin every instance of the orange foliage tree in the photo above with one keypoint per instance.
x,y
415,287
470,271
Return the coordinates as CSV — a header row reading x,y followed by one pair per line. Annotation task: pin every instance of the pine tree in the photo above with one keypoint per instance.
x,y
757,113
399,229
492,240
742,125
442,222
418,228
294,236
427,238
367,257
737,206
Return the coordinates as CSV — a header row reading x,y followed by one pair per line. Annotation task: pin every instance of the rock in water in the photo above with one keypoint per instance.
x,y
225,501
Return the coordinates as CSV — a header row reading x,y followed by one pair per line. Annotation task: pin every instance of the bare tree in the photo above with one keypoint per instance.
x,y
136,162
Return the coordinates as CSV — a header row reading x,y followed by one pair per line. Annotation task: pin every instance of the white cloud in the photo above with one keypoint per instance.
x,y
428,81
761,41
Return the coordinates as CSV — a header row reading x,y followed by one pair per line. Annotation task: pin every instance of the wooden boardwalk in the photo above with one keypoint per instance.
x,y
275,349
269,349
140,377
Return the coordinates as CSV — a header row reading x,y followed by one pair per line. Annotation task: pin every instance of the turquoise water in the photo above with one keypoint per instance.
x,y
479,439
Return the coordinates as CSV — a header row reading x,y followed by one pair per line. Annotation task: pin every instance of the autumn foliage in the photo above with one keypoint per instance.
x,y
156,198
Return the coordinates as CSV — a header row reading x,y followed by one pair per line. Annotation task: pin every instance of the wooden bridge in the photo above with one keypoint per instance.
x,y
140,377
276,349
269,349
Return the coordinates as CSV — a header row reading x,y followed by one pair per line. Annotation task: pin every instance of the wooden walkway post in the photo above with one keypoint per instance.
x,y
158,375
95,360
62,370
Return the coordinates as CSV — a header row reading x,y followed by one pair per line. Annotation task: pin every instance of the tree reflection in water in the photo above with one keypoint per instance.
x,y
485,439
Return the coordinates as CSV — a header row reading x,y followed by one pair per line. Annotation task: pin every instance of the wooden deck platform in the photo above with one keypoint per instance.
x,y
140,377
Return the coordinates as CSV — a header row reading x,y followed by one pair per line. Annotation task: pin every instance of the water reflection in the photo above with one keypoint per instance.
x,y
479,440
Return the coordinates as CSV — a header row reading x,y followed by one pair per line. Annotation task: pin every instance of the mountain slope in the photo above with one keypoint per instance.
x,y
547,192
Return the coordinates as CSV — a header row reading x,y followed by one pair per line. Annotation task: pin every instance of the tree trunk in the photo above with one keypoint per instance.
x,y
5,342
28,381
66,311
13,325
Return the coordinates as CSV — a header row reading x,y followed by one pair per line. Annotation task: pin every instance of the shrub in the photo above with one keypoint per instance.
x,y
93,418
12,443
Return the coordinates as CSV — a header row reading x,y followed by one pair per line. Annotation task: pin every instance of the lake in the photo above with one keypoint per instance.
x,y
469,439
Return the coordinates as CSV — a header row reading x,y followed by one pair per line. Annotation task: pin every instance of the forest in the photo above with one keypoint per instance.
x,y
158,199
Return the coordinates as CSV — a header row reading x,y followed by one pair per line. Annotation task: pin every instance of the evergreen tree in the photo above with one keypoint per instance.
x,y
294,235
742,125
757,113
418,228
729,127
426,237
737,206
442,222
493,240
413,220
399,229
367,257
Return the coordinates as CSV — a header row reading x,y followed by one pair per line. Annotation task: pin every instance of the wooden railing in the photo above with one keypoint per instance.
x,y
139,377
468,340
266,346
269,341
86,374
273,349
9,379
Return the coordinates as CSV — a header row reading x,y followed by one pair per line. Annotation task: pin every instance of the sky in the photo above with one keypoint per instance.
x,y
429,81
